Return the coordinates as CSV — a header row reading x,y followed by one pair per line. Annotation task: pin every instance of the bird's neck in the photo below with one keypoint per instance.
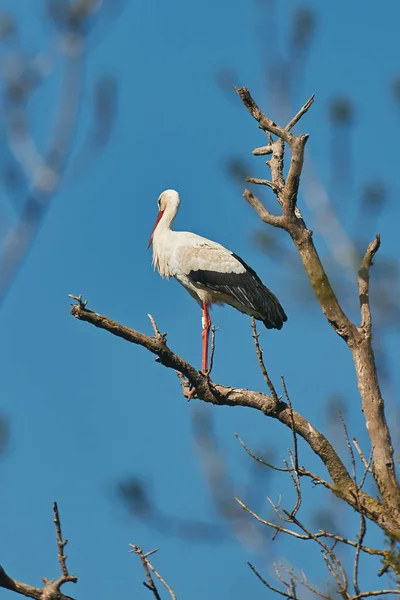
x,y
164,227
163,246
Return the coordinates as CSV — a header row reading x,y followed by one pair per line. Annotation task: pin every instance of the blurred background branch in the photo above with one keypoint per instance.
x,y
34,169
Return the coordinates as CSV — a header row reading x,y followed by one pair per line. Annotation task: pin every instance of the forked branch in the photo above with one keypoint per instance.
x,y
147,566
358,339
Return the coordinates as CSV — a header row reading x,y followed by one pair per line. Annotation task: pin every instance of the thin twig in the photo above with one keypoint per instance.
x,y
159,336
374,593
361,455
60,542
353,461
332,561
316,479
150,585
368,468
261,360
275,526
361,536
165,584
295,451
260,460
213,332
301,112
147,566
363,528
303,581
295,457
268,585
151,552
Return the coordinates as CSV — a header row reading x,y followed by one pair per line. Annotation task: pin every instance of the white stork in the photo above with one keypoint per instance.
x,y
210,273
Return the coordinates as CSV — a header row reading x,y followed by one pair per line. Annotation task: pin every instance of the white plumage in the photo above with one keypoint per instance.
x,y
211,273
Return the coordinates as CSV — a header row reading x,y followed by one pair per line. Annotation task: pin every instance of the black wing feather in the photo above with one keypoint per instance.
x,y
247,289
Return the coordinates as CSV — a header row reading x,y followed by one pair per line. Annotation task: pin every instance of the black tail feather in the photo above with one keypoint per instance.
x,y
275,316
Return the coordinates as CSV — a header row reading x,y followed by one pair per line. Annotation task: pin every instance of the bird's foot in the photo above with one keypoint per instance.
x,y
191,394
189,391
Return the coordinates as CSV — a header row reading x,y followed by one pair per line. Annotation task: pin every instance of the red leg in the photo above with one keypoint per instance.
x,y
205,335
206,321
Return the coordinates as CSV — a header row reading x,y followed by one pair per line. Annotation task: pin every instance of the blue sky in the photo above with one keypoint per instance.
x,y
87,410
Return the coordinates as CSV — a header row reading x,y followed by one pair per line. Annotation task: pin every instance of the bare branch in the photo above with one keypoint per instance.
x,y
297,145
276,163
346,435
165,584
261,360
316,479
363,282
207,391
361,536
8,583
319,534
301,112
52,588
61,556
275,526
368,469
375,593
303,581
161,337
263,150
269,586
260,460
145,563
332,561
269,184
147,566
263,213
213,332
343,540
364,461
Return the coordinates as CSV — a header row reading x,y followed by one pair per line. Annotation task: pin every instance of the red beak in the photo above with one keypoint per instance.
x,y
160,214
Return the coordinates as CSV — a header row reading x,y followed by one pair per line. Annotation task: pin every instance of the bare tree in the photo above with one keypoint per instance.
x,y
42,175
383,510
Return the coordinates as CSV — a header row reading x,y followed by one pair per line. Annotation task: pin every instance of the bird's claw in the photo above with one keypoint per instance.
x,y
192,393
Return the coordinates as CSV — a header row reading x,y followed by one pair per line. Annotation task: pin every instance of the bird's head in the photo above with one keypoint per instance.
x,y
167,201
